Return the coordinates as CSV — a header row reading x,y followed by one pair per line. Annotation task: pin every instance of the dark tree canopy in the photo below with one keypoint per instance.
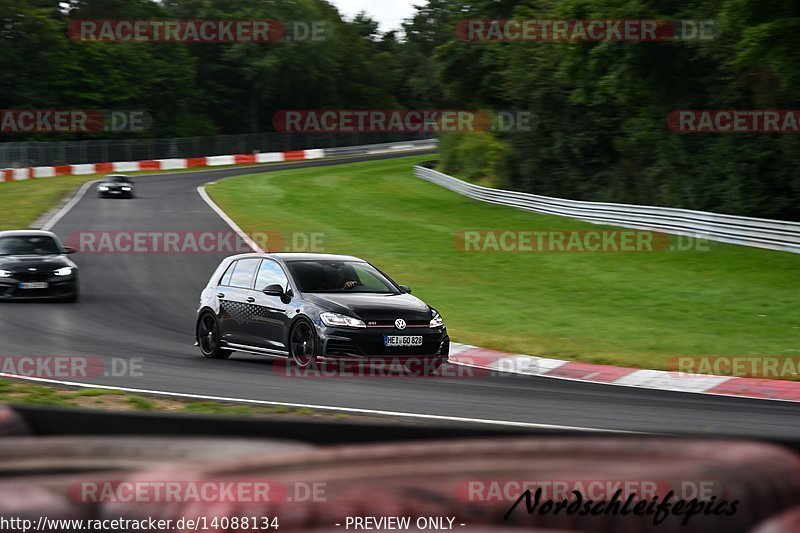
x,y
601,132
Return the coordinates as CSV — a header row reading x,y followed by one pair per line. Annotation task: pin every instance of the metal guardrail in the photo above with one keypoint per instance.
x,y
382,148
745,231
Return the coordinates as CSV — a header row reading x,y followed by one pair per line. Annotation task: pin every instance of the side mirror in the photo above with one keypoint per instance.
x,y
274,290
69,250
405,289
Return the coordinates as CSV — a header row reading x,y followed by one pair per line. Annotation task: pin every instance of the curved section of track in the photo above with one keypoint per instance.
x,y
143,306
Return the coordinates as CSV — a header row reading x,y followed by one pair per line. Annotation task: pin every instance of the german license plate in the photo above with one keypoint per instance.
x,y
395,340
33,285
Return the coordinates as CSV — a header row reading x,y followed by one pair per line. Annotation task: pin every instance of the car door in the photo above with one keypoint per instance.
x,y
233,294
268,327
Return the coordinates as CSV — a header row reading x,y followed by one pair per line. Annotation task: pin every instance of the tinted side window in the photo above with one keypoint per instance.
x,y
226,279
244,273
270,273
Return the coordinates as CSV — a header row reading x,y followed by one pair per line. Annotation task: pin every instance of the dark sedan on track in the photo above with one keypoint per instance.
x,y
34,265
116,186
308,307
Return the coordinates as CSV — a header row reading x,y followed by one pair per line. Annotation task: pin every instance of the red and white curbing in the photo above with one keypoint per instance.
x,y
628,377
16,174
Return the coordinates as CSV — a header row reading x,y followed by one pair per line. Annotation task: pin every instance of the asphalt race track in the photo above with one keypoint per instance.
x,y
143,306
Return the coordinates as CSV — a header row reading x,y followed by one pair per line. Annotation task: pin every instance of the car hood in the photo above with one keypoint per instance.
x,y
375,307
17,263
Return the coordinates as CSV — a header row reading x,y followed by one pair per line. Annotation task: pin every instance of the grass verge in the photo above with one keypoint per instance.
x,y
632,309
20,392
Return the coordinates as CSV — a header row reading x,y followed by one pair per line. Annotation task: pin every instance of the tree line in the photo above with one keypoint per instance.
x,y
601,130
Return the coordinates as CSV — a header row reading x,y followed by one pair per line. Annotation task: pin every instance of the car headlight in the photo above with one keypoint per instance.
x,y
335,320
66,271
102,188
5,274
126,188
437,321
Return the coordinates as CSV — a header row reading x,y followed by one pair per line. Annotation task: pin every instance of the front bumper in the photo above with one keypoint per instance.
x,y
57,287
368,344
115,194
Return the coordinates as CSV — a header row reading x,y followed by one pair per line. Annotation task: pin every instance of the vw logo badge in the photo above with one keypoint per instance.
x,y
400,323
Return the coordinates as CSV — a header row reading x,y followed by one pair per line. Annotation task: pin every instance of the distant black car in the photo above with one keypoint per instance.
x,y
34,264
310,306
116,186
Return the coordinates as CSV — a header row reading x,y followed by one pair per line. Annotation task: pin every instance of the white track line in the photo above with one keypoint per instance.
x,y
228,220
353,410
69,205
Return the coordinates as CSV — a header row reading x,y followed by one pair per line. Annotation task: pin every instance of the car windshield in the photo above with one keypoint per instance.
x,y
118,179
28,245
340,277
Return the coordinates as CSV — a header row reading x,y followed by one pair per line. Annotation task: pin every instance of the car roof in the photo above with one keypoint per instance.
x,y
294,256
27,233
289,256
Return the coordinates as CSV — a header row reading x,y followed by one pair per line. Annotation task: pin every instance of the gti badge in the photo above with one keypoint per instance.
x,y
400,323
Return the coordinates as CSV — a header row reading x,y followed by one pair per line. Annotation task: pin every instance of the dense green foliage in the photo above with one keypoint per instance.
x,y
191,88
602,107
601,132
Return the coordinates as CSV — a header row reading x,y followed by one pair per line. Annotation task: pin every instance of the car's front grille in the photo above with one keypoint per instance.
x,y
52,291
41,275
391,325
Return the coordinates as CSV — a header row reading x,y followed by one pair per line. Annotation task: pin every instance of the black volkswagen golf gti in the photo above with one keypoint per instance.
x,y
307,307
